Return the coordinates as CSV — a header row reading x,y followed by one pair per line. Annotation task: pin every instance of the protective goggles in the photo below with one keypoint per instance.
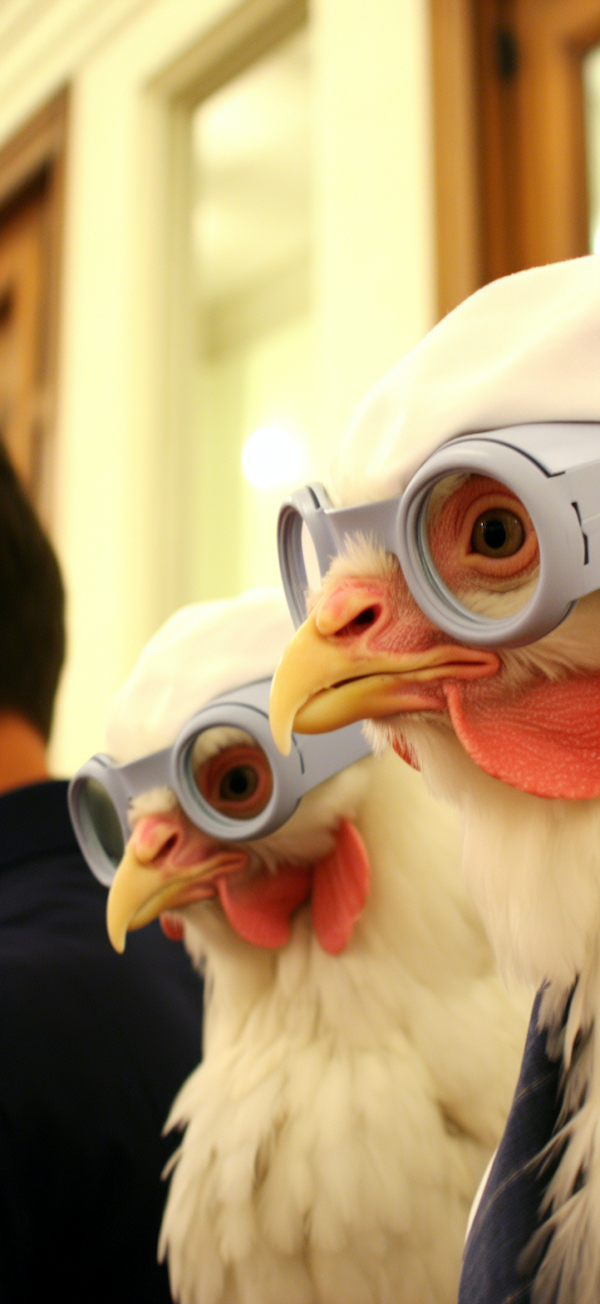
x,y
554,469
101,791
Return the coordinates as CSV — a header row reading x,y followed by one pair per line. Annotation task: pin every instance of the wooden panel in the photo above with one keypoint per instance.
x,y
533,129
553,39
498,66
522,87
21,307
456,146
31,191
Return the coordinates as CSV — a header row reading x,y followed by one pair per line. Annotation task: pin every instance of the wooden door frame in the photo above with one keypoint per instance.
x,y
491,184
456,152
233,44
36,155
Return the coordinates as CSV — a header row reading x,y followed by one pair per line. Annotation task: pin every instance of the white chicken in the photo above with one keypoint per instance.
x,y
358,1065
510,735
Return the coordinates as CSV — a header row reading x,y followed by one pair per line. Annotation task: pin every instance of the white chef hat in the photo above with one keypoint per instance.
x,y
202,651
524,348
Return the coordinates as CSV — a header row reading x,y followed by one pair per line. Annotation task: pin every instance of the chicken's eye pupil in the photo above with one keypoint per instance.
x,y
239,783
497,533
494,534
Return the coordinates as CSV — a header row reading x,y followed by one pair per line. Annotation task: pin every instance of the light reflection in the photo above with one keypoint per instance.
x,y
271,457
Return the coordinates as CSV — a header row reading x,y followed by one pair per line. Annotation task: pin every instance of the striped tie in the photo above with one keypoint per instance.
x,y
507,1215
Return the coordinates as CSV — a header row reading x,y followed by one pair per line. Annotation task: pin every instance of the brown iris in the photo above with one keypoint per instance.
x,y
237,781
497,533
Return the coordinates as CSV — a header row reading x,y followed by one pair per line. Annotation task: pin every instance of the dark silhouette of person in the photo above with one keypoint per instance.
x,y
93,1046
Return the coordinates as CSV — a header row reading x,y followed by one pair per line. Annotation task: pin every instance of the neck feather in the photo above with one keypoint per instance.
x,y
532,864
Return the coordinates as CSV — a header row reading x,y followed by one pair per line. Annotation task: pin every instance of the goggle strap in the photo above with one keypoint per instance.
x,y
324,755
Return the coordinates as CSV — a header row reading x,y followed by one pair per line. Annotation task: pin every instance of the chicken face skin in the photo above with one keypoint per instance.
x,y
381,635
168,863
530,717
366,651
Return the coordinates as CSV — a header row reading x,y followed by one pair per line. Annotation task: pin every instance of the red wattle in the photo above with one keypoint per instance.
x,y
545,741
259,908
340,889
172,926
405,753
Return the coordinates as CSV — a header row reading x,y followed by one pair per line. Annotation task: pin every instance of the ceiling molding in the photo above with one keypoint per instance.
x,y
42,43
230,47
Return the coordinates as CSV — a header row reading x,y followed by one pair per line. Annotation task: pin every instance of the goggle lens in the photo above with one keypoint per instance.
x,y
477,545
310,561
233,775
102,814
299,563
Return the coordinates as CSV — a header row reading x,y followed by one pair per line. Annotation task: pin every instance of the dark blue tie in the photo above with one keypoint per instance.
x,y
508,1213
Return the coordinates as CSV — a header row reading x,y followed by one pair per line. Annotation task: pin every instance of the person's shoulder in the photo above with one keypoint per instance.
x,y
161,968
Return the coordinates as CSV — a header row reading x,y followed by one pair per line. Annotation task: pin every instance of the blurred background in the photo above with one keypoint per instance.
x,y
220,223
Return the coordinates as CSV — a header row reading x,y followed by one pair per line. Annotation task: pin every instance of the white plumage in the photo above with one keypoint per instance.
x,y
346,1105
517,751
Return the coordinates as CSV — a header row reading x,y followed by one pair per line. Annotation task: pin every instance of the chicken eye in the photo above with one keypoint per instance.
x,y
236,781
497,533
239,783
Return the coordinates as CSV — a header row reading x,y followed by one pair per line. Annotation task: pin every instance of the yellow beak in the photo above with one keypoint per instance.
x,y
139,893
321,684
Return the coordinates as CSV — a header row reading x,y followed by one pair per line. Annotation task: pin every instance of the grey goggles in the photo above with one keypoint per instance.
x,y
101,791
554,469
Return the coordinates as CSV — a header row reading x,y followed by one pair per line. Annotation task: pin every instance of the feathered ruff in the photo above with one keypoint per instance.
x,y
533,866
566,1251
346,1108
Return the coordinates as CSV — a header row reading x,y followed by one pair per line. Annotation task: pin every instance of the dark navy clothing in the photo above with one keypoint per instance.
x,y
93,1048
508,1213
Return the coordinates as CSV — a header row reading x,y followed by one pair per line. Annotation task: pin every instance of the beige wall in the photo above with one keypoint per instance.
x,y
374,270
240,391
118,485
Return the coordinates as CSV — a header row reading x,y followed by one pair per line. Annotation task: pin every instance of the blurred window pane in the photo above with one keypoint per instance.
x,y
591,85
254,330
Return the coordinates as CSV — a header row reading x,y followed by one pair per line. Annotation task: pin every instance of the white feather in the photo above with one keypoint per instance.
x,y
522,349
533,866
347,1105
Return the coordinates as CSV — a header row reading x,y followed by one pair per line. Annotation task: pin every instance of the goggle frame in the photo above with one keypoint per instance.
x,y
312,759
553,468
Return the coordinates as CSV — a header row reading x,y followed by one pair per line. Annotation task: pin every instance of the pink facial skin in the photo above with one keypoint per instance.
x,y
259,905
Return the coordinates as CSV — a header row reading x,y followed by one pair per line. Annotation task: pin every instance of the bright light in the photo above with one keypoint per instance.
x,y
271,457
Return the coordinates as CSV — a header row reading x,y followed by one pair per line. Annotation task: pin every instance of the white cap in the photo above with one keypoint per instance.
x,y
524,348
201,652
